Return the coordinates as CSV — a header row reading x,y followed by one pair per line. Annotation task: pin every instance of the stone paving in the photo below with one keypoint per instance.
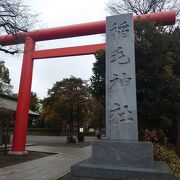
x,y
48,168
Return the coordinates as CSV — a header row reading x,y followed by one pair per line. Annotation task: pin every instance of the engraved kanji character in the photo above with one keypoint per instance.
x,y
119,114
119,56
115,114
113,30
123,29
123,82
126,114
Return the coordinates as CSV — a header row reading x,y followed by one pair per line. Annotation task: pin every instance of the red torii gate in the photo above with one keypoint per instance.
x,y
30,38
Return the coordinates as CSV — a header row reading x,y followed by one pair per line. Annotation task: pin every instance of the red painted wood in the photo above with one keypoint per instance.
x,y
69,51
21,121
164,18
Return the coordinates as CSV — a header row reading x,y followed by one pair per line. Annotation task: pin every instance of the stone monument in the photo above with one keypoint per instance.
x,y
121,111
121,156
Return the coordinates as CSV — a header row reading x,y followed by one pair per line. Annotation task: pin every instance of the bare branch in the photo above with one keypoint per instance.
x,y
15,17
8,51
139,7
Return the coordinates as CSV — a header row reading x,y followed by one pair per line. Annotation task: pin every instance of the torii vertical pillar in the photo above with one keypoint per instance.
x,y
21,122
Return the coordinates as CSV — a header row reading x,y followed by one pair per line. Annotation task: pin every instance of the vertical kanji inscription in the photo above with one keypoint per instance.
x,y
121,110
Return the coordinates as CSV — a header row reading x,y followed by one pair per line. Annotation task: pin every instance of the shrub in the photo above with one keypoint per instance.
x,y
98,135
155,136
71,139
80,137
168,154
89,133
163,151
41,130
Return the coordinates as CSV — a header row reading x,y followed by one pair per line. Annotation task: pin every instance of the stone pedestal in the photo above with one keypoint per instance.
x,y
123,161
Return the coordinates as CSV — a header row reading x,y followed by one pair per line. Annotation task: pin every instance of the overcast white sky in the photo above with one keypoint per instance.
x,y
56,13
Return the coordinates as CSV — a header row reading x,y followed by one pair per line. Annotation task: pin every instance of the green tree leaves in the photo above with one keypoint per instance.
x,y
5,87
34,103
157,85
98,78
67,102
157,77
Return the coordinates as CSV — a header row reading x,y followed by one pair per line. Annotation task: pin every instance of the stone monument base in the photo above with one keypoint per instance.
x,y
122,161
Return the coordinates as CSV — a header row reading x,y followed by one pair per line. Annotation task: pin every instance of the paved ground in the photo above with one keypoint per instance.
x,y
51,167
58,141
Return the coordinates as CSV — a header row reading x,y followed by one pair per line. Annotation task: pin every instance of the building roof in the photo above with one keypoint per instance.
x,y
10,103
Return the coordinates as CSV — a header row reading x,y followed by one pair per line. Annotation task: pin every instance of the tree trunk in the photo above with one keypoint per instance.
x,y
6,139
1,135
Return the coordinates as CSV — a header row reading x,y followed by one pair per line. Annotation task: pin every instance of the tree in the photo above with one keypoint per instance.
x,y
158,84
98,79
157,77
34,103
14,17
142,6
66,103
5,87
98,89
5,115
6,120
157,64
97,110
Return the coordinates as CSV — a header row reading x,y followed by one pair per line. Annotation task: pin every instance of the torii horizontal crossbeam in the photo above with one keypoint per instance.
x,y
164,18
68,51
